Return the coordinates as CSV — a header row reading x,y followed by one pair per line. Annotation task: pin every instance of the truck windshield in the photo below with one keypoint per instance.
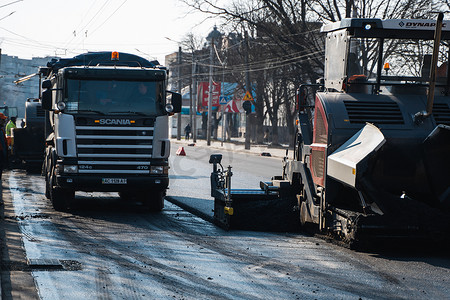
x,y
401,58
113,97
405,64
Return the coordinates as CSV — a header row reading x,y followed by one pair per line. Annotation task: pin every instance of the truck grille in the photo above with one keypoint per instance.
x,y
376,112
441,113
114,150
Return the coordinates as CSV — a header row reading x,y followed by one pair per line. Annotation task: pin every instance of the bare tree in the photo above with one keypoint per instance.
x,y
280,36
285,42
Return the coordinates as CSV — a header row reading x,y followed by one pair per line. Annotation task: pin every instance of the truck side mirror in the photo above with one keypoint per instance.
x,y
176,102
47,95
47,99
47,84
174,105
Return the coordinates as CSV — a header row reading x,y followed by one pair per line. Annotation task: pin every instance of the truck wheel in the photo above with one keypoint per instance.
x,y
47,186
46,170
60,198
155,202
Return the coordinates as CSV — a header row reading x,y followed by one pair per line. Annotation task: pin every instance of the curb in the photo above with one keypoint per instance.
x,y
263,150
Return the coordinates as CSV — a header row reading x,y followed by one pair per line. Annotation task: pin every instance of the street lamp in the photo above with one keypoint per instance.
x,y
212,37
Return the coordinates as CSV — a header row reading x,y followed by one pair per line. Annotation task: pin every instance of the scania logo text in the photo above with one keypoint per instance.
x,y
114,122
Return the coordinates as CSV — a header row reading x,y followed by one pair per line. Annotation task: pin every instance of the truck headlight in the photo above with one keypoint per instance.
x,y
156,169
70,169
159,170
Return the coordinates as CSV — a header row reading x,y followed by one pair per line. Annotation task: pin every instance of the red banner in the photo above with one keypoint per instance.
x,y
203,95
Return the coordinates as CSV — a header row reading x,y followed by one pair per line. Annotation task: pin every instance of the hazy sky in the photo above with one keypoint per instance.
x,y
70,27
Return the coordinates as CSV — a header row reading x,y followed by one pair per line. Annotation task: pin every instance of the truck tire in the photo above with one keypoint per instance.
x,y
47,191
60,197
46,170
47,186
155,202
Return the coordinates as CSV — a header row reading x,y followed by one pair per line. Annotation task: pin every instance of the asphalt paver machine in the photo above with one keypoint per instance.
x,y
372,152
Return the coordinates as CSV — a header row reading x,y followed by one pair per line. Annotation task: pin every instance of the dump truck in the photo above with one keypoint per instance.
x,y
29,141
29,138
372,149
108,132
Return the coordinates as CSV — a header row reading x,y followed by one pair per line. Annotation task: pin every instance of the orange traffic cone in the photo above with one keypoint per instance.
x,y
181,152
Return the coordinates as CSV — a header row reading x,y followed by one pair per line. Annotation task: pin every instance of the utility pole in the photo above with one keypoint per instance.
x,y
223,115
248,86
194,98
179,91
190,92
208,123
212,37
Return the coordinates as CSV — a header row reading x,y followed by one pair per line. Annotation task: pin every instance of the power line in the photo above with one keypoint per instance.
x,y
262,66
95,15
26,38
109,16
7,16
74,34
10,3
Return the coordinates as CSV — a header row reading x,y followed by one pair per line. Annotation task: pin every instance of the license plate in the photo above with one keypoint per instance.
x,y
114,181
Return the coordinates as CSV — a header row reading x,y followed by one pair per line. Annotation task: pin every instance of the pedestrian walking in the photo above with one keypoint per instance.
x,y
187,131
266,135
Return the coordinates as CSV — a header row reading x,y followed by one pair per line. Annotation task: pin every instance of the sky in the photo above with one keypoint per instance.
x,y
65,28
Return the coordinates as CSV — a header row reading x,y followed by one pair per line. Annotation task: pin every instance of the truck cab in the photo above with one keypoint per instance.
x,y
108,127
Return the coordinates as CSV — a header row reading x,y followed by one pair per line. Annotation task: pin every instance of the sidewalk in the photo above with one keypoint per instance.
x,y
237,145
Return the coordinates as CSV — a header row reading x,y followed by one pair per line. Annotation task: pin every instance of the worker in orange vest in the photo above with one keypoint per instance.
x,y
3,145
9,134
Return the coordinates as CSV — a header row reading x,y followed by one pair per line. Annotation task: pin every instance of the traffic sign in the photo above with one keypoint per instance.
x,y
224,100
247,106
248,97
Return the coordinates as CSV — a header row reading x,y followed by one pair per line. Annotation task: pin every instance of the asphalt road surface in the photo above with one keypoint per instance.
x,y
105,248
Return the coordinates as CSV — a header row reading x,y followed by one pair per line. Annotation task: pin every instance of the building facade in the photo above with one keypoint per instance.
x,y
11,69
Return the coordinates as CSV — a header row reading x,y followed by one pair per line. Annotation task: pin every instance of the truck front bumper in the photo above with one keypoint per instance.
x,y
112,183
